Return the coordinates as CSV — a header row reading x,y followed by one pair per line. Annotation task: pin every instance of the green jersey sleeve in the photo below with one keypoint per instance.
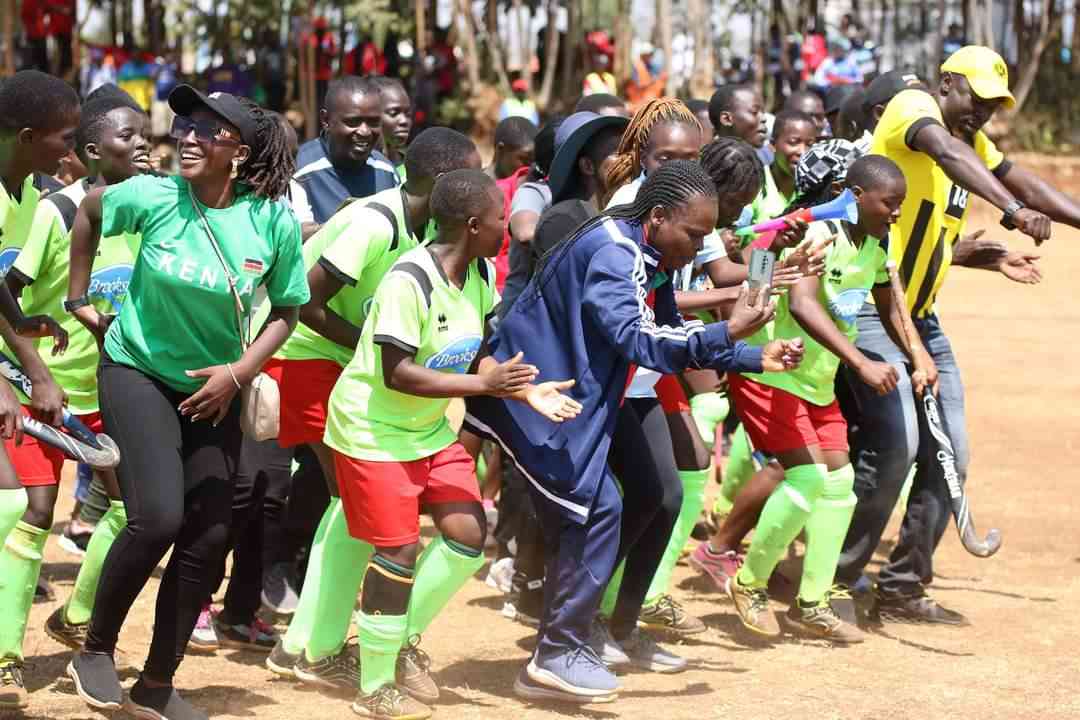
x,y
286,284
124,206
399,311
368,237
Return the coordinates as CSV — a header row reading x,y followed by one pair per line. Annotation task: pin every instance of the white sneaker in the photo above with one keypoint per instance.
x,y
203,637
500,574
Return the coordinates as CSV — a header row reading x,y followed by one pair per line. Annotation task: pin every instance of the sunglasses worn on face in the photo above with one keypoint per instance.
x,y
207,132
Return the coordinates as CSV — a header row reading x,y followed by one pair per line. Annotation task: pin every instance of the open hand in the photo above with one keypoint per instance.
x,y
40,326
212,400
781,355
548,400
750,314
510,377
1021,267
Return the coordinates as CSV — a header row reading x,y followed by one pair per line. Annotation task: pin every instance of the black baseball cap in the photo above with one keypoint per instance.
x,y
185,100
888,85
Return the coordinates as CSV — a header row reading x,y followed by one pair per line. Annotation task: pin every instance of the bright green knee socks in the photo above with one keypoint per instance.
x,y
20,565
709,410
825,531
783,516
81,604
739,470
13,504
693,482
335,570
442,569
380,623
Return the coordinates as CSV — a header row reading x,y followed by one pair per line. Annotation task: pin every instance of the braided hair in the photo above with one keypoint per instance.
x,y
271,164
733,165
671,186
627,161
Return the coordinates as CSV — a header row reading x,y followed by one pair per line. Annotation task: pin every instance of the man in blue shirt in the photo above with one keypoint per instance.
x,y
342,162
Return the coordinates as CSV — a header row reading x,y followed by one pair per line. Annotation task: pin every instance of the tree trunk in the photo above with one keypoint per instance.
x,y
1049,25
939,38
524,33
624,37
468,42
663,24
701,78
551,55
570,83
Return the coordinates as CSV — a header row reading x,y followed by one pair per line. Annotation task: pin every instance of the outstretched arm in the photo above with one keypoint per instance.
x,y
966,168
1040,195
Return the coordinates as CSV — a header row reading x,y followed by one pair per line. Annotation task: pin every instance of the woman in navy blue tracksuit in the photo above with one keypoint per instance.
x,y
601,304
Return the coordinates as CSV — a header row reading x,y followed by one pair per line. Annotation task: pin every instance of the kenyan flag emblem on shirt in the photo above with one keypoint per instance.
x,y
253,267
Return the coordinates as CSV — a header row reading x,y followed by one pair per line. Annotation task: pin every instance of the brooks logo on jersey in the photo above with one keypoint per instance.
x,y
456,357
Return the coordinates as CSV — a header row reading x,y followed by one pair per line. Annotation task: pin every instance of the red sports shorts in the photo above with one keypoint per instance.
x,y
38,463
778,421
305,387
382,500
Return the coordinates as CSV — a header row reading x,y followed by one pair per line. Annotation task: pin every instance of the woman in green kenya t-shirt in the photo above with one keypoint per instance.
x,y
172,365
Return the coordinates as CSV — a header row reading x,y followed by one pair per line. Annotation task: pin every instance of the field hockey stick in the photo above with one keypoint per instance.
x,y
81,444
946,454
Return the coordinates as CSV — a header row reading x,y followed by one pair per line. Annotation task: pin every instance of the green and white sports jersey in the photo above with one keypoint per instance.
x,y
42,265
770,202
16,217
417,309
358,245
180,314
850,273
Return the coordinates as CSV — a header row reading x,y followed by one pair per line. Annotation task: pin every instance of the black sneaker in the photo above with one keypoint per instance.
x,y
13,695
281,662
75,542
59,629
96,681
256,635
336,673
160,703
915,607
43,593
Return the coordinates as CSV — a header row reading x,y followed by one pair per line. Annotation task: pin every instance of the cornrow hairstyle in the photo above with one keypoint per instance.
x,y
460,195
733,165
95,118
515,132
627,161
437,150
785,117
672,186
271,164
24,95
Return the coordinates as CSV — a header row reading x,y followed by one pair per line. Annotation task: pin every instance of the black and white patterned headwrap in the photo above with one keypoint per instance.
x,y
825,163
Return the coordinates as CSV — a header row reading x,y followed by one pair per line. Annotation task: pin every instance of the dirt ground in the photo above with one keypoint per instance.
x,y
1017,660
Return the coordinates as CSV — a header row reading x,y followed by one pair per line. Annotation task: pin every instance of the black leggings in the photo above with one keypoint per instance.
x,y
642,459
176,478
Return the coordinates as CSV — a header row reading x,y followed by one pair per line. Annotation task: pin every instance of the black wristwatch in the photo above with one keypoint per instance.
x,y
73,305
1007,219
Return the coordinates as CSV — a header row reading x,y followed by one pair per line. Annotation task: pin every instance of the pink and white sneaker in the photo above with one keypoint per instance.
x,y
719,567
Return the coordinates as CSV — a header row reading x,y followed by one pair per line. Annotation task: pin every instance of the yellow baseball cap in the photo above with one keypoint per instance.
x,y
985,72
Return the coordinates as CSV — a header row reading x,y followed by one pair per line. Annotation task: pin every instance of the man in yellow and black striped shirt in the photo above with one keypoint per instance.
x,y
937,140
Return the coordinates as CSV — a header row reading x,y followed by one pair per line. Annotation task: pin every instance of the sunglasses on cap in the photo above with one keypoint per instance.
x,y
205,131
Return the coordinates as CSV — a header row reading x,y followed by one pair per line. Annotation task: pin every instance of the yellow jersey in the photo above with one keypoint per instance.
x,y
932,216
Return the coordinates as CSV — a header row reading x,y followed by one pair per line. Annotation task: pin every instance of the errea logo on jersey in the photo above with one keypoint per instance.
x,y
7,259
456,357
